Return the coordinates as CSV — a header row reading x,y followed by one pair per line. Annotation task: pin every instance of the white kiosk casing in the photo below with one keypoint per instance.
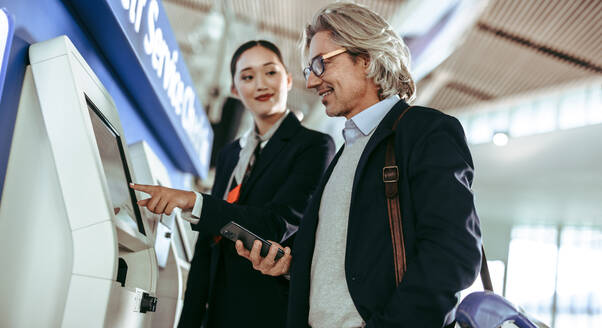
x,y
71,224
150,171
174,263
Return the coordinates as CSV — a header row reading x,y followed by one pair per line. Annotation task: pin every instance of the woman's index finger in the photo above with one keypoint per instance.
x,y
141,187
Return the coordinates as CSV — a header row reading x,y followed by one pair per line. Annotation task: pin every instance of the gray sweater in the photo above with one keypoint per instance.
x,y
330,304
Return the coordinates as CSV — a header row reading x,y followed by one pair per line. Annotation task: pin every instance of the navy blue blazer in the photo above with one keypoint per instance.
x,y
271,205
440,226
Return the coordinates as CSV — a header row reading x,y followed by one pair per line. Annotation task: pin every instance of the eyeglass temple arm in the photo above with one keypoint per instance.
x,y
333,53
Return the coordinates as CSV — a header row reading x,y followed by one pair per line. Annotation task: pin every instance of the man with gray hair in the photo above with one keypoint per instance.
x,y
380,245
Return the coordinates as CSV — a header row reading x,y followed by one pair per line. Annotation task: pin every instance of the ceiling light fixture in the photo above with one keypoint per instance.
x,y
500,138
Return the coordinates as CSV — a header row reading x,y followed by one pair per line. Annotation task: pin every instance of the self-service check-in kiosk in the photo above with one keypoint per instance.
x,y
76,247
171,235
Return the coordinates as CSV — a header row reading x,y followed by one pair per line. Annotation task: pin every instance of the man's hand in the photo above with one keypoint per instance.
x,y
164,200
266,265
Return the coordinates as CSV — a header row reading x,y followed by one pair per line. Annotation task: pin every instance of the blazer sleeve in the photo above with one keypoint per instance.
x,y
280,217
448,241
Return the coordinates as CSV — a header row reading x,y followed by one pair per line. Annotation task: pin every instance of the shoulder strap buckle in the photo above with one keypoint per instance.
x,y
390,174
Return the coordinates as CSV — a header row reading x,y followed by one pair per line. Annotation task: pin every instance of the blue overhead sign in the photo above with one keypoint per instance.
x,y
6,37
136,37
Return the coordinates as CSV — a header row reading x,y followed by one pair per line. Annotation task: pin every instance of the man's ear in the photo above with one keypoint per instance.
x,y
289,81
365,61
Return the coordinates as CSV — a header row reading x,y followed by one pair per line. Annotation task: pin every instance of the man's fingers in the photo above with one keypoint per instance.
x,y
275,243
281,265
266,265
241,250
143,202
286,261
255,255
287,255
270,257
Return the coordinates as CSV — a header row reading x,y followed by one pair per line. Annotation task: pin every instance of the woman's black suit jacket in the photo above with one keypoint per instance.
x,y
271,204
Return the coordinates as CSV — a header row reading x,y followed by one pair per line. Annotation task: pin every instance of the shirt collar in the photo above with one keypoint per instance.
x,y
252,132
368,119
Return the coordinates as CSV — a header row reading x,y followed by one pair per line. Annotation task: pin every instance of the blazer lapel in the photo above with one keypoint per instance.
x,y
316,198
383,130
221,183
285,132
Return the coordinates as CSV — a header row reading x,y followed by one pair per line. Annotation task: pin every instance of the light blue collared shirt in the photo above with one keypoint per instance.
x,y
367,120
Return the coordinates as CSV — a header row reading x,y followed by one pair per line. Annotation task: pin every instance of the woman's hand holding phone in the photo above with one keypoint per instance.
x,y
266,265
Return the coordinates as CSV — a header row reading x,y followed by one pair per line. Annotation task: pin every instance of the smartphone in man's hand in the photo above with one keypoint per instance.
x,y
235,231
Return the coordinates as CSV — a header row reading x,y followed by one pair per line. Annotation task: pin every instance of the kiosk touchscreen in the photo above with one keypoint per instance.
x,y
116,169
75,250
166,230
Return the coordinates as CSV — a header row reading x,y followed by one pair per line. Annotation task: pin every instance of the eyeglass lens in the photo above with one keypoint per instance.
x,y
316,66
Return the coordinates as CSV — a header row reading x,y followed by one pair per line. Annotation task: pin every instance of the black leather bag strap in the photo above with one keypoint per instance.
x,y
390,178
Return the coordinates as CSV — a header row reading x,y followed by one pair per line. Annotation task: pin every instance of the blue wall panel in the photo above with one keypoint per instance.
x,y
37,21
137,39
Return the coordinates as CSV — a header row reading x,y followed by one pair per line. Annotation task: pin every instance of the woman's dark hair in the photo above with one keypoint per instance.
x,y
250,44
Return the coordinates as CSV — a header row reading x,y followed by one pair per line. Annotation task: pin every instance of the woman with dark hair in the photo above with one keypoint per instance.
x,y
263,182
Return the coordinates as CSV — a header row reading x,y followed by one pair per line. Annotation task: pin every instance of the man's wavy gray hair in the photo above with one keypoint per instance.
x,y
365,33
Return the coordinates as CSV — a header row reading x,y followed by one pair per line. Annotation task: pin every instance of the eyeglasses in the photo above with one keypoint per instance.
x,y
317,64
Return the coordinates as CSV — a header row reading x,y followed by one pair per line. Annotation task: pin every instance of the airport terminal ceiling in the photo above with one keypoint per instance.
x,y
507,47
489,51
